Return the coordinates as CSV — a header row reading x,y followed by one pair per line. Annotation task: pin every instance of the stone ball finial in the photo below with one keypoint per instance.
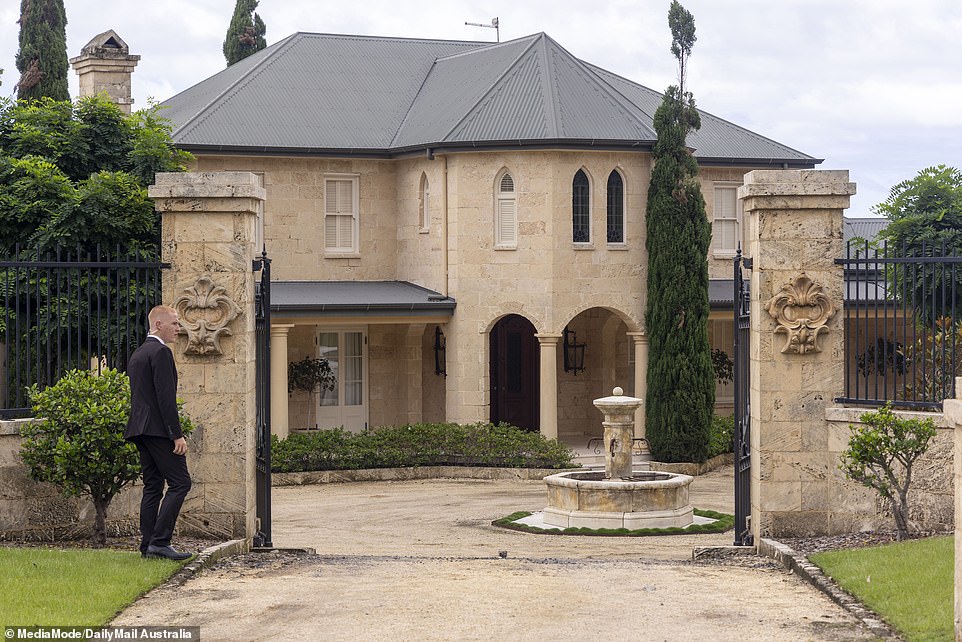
x,y
617,392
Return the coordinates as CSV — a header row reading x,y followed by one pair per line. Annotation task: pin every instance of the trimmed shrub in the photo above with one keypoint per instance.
x,y
441,444
721,437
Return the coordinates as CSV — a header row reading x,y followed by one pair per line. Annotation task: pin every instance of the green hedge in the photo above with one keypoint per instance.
x,y
444,444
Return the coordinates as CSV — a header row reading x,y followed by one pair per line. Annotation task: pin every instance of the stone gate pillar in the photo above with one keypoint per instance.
x,y
794,235
952,408
208,226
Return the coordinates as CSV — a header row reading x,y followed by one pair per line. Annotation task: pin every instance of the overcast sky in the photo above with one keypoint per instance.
x,y
871,86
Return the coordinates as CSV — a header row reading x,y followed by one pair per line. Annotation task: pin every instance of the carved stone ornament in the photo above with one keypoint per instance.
x,y
205,312
801,309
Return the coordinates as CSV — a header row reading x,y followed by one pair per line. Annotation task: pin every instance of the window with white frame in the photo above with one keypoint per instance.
x,y
726,220
505,212
341,214
424,214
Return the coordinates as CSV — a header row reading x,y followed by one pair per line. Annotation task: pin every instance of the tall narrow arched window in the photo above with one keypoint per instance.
x,y
505,212
616,208
424,214
580,209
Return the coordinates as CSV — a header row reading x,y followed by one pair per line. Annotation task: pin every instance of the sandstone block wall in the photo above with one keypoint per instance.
x,y
37,511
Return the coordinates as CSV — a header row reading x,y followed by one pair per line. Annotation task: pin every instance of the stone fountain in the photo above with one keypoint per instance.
x,y
619,497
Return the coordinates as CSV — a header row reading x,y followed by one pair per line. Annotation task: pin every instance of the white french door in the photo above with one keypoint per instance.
x,y
346,351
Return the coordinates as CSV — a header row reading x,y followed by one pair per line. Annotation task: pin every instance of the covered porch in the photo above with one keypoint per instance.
x,y
383,342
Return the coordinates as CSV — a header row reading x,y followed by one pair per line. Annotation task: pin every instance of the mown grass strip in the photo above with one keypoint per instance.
x,y
722,523
53,587
909,584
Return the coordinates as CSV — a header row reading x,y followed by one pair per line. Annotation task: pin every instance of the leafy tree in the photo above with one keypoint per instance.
x,y
42,59
75,174
925,215
73,183
880,455
245,35
681,379
78,443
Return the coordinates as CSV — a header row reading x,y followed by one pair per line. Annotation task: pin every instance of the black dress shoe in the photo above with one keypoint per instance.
x,y
166,552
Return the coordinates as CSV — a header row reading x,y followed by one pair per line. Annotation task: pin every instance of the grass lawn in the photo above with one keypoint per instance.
x,y
908,583
52,587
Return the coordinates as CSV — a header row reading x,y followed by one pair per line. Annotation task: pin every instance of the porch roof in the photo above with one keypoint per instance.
x,y
357,298
721,293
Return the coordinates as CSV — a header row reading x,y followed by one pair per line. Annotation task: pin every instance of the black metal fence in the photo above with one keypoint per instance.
x,y
70,309
903,329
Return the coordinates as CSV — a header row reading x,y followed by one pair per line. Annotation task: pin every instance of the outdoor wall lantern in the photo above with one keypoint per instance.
x,y
440,357
574,352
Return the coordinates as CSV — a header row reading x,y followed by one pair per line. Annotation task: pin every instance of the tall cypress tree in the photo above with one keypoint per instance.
x,y
681,384
42,59
245,35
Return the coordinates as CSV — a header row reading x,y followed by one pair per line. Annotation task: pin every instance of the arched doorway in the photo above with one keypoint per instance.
x,y
514,373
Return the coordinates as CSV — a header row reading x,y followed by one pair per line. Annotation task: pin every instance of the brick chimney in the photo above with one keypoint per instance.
x,y
105,65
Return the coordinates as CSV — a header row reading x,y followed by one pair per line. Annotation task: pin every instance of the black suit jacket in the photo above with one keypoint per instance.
x,y
153,392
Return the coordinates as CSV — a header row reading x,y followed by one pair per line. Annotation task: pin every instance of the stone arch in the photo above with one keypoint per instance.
x,y
609,354
513,368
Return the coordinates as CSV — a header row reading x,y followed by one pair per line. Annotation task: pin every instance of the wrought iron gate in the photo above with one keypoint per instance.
x,y
743,415
262,330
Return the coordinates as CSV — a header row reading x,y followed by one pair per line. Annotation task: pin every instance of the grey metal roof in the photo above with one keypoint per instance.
x,y
864,228
336,94
357,298
721,293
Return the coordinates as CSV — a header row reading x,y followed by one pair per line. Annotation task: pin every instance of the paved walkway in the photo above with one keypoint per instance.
x,y
419,560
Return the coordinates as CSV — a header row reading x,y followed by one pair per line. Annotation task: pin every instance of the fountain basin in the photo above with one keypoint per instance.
x,y
646,499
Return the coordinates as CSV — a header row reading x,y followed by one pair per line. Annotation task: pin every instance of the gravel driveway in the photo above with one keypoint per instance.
x,y
419,560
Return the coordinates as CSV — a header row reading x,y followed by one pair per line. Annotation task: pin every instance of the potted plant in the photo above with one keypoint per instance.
x,y
310,375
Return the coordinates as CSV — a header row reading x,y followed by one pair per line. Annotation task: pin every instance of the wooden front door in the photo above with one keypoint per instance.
x,y
514,373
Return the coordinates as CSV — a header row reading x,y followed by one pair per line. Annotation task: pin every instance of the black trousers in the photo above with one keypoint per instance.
x,y
159,511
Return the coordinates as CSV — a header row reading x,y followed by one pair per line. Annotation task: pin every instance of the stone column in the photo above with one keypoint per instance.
x,y
640,340
794,234
208,226
412,358
549,384
280,406
952,409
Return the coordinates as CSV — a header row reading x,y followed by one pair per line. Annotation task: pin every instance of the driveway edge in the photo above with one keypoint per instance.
x,y
205,559
811,573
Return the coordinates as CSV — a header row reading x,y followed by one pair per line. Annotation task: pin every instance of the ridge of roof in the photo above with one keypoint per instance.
x,y
549,89
208,109
486,46
621,100
494,85
427,76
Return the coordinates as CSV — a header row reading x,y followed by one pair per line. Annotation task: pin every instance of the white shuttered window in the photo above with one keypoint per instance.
x,y
726,221
506,213
340,214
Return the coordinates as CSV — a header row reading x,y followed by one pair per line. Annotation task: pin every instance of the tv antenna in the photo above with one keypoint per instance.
x,y
494,25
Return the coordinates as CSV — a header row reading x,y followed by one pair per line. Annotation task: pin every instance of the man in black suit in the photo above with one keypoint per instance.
x,y
155,427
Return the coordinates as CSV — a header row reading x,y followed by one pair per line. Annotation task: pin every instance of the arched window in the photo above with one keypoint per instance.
x,y
505,212
616,208
424,213
580,209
